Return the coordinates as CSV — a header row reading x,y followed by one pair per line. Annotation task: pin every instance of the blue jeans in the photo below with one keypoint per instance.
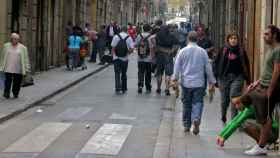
x,y
192,99
230,86
73,57
93,52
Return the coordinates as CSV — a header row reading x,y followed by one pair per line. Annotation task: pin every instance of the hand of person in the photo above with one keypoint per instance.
x,y
253,86
212,87
269,92
220,141
115,57
237,103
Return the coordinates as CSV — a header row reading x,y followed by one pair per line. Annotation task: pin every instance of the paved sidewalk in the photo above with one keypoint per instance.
x,y
204,145
47,84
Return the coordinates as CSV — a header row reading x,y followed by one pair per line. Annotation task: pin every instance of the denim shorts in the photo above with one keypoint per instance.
x,y
164,65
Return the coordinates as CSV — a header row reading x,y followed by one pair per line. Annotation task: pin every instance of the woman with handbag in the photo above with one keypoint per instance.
x,y
14,62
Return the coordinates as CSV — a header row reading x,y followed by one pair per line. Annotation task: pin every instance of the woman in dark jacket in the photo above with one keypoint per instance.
x,y
231,69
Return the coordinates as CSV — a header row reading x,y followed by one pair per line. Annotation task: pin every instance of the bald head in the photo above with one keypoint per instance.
x,y
15,36
192,36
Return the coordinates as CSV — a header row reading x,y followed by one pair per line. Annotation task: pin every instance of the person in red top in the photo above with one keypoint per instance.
x,y
131,31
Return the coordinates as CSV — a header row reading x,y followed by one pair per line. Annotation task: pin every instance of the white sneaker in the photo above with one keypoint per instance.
x,y
256,150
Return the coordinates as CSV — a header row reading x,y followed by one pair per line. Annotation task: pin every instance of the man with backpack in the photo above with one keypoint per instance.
x,y
122,45
144,59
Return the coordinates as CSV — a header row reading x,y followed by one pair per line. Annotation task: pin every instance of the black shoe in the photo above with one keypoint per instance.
x,y
158,91
139,91
149,91
186,129
224,119
167,92
15,96
195,127
101,63
118,92
7,96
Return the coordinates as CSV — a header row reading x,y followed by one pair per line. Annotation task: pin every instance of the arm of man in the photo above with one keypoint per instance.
x,y
130,44
152,46
137,41
114,43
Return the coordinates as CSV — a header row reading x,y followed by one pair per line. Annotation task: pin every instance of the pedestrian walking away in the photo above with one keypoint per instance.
x,y
183,33
74,45
165,46
122,45
111,30
143,43
192,64
14,62
232,69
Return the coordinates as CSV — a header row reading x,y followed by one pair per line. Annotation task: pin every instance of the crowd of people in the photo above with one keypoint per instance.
x,y
179,56
190,59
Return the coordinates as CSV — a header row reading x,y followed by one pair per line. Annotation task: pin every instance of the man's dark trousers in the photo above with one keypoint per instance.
x,y
15,80
120,68
144,74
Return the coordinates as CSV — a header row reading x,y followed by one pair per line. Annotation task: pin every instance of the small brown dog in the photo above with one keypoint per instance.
x,y
174,85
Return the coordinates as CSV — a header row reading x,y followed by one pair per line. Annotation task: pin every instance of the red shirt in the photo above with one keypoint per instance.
x,y
132,32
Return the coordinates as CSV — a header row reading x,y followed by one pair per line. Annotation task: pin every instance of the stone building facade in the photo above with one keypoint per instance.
x,y
41,25
247,17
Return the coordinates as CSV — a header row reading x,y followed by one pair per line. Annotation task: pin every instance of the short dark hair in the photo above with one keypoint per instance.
x,y
102,27
159,22
275,31
147,28
155,30
124,28
231,34
192,36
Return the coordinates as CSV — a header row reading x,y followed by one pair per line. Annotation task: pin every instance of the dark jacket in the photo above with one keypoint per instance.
x,y
221,64
115,28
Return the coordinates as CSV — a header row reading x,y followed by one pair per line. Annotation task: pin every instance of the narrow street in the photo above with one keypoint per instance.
x,y
120,126
90,121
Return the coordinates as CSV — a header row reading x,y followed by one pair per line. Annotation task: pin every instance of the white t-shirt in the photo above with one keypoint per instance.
x,y
138,41
111,31
13,64
129,42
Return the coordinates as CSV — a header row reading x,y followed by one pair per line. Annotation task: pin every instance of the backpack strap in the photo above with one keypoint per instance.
x,y
141,36
126,38
119,36
146,38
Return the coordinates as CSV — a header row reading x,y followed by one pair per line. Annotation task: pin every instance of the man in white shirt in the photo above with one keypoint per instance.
x,y
122,46
144,45
191,65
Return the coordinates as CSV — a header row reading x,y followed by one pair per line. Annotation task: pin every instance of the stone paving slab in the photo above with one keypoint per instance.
x,y
204,145
47,84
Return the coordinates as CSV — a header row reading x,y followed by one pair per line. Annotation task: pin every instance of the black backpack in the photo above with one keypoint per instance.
x,y
121,48
144,48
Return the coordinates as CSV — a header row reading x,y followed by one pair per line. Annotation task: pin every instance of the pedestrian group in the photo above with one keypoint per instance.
x,y
179,55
